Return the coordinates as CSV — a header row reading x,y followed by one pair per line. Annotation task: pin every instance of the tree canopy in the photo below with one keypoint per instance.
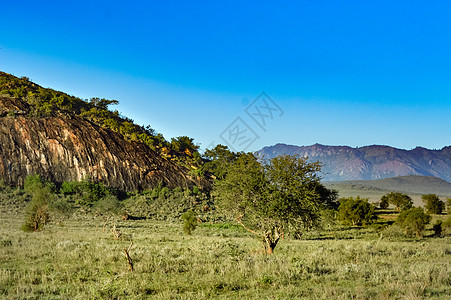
x,y
273,198
413,220
399,200
433,204
356,211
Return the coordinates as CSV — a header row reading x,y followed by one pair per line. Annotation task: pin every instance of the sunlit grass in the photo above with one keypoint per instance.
x,y
79,260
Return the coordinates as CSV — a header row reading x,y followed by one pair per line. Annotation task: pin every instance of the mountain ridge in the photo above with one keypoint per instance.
x,y
370,162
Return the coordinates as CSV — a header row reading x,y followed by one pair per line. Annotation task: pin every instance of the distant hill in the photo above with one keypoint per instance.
x,y
413,185
370,162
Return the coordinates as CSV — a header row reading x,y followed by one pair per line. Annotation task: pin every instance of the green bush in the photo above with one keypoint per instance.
x,y
433,204
413,220
189,222
356,211
108,205
37,211
437,227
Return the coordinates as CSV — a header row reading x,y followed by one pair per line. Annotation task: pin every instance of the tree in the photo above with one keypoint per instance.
x,y
183,143
220,158
448,205
270,200
385,201
189,222
413,220
399,200
355,211
433,204
37,211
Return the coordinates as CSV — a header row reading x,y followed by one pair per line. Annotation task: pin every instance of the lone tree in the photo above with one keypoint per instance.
x,y
271,199
413,220
356,211
37,210
433,204
399,200
384,202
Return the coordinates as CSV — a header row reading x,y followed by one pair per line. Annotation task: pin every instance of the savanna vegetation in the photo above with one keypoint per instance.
x,y
85,240
266,229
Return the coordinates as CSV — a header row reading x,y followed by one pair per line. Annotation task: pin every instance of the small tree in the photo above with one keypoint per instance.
x,y
385,201
268,200
413,220
356,211
448,206
37,211
433,204
437,227
399,200
189,222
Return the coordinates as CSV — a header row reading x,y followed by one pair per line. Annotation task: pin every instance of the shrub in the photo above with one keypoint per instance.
x,y
437,227
384,202
413,220
108,205
433,204
37,211
189,222
356,211
446,227
86,192
399,200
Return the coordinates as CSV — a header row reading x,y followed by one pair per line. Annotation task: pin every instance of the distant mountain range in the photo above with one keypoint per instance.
x,y
370,162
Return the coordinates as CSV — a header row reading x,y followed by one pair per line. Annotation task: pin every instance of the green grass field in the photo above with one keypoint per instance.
x,y
78,259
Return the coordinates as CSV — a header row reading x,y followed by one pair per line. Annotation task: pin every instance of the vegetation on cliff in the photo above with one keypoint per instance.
x,y
40,102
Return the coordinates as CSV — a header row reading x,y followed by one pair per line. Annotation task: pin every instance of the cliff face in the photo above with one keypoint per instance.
x,y
370,162
68,148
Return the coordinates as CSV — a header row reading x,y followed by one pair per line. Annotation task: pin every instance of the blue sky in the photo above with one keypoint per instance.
x,y
342,72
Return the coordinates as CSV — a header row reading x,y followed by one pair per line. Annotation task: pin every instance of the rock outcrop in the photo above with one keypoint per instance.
x,y
71,148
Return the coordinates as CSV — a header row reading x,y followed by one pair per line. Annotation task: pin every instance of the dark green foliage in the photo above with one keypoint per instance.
x,y
385,201
189,222
433,204
437,227
220,159
86,193
356,211
399,200
271,199
448,205
163,203
183,143
413,220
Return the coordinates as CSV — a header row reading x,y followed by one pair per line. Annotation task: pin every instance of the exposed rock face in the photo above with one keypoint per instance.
x,y
72,148
370,162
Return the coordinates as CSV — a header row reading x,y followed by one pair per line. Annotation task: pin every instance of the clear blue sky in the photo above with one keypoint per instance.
x,y
343,72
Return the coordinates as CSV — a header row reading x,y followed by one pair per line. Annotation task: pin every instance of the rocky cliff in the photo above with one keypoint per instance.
x,y
69,147
370,162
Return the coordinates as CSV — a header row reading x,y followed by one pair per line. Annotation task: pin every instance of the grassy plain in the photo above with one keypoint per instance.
x,y
77,259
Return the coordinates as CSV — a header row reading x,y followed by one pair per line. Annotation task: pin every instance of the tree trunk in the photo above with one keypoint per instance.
x,y
271,238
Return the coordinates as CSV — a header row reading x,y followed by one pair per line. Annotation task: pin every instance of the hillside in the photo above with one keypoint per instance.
x,y
370,162
64,138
